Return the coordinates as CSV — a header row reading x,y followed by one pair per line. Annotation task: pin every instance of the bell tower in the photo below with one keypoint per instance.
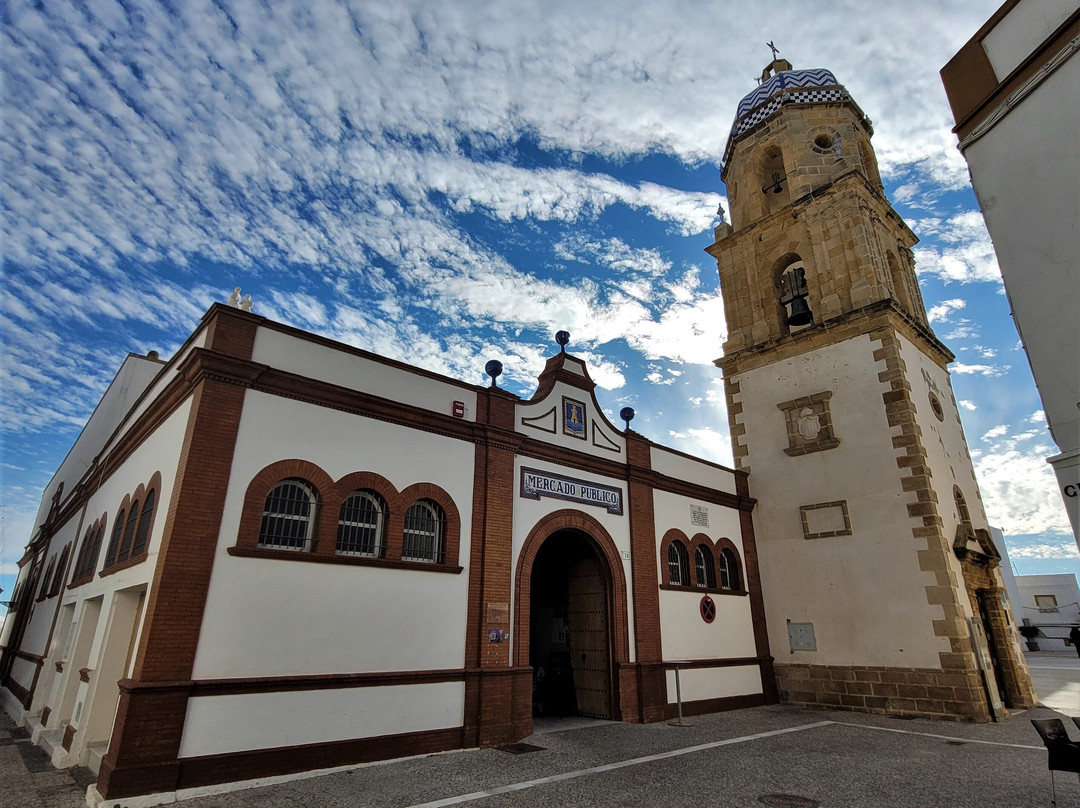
x,y
879,574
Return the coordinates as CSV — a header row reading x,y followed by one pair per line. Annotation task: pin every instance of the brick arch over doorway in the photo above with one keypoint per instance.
x,y
611,562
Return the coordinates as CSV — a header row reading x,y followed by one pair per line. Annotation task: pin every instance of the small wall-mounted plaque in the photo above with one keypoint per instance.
x,y
801,636
825,520
699,516
459,409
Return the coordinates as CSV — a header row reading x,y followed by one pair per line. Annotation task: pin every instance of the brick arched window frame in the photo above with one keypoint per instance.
x,y
671,555
704,567
60,573
730,575
332,495
151,502
338,496
361,527
117,532
289,515
46,579
86,560
451,527
260,487
129,542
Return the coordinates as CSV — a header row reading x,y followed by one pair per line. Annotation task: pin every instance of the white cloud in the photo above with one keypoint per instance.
x,y
711,444
964,369
1065,550
996,432
1020,492
964,254
970,406
943,309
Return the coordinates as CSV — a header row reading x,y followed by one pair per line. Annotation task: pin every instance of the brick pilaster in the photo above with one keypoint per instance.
x,y
145,743
645,698
495,692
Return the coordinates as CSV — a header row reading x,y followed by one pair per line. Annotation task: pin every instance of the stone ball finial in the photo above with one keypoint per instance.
x,y
562,337
493,369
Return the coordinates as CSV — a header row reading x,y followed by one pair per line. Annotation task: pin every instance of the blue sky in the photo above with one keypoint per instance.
x,y
445,184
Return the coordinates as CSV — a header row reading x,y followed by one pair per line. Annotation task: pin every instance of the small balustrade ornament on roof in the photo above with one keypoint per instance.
x,y
236,302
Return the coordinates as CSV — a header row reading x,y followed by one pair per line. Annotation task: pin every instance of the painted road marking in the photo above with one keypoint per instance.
x,y
607,767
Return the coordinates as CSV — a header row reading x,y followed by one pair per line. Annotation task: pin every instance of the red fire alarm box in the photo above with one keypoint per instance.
x,y
459,409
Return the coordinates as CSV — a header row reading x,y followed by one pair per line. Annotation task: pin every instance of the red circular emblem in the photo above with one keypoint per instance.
x,y
708,609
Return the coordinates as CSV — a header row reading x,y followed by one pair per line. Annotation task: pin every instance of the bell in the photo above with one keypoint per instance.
x,y
800,312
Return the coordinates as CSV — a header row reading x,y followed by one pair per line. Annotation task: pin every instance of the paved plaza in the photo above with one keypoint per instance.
x,y
778,755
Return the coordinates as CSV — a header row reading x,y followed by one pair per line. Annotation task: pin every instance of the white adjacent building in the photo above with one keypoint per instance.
x,y
1015,95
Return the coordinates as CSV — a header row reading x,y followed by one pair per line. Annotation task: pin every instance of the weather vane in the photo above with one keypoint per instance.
x,y
774,49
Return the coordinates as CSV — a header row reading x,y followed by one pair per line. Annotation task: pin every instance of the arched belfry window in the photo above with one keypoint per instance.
x,y
774,180
901,290
869,161
794,295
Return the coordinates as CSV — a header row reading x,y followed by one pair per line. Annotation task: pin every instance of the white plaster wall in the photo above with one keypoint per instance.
x,y
133,377
22,671
864,593
683,634
1062,586
36,635
1024,172
946,451
673,511
167,373
692,470
714,683
527,512
220,724
318,361
592,414
1023,30
268,617
160,452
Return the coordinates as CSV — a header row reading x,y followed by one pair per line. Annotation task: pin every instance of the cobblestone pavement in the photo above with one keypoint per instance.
x,y
27,778
778,755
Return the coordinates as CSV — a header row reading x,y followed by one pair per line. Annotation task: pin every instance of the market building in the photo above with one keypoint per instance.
x,y
275,552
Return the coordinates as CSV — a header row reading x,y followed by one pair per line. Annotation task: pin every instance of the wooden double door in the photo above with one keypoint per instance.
x,y
570,643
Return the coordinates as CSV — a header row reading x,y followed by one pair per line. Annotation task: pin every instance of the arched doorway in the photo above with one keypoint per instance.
x,y
570,637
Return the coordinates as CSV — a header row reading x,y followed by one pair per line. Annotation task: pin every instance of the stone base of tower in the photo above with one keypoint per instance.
x,y
957,695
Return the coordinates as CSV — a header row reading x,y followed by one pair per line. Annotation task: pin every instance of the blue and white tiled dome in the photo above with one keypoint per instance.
x,y
786,87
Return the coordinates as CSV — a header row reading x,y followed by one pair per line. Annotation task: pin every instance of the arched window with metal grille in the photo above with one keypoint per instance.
x,y
288,516
423,538
729,570
703,566
114,540
124,553
678,564
361,524
144,524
